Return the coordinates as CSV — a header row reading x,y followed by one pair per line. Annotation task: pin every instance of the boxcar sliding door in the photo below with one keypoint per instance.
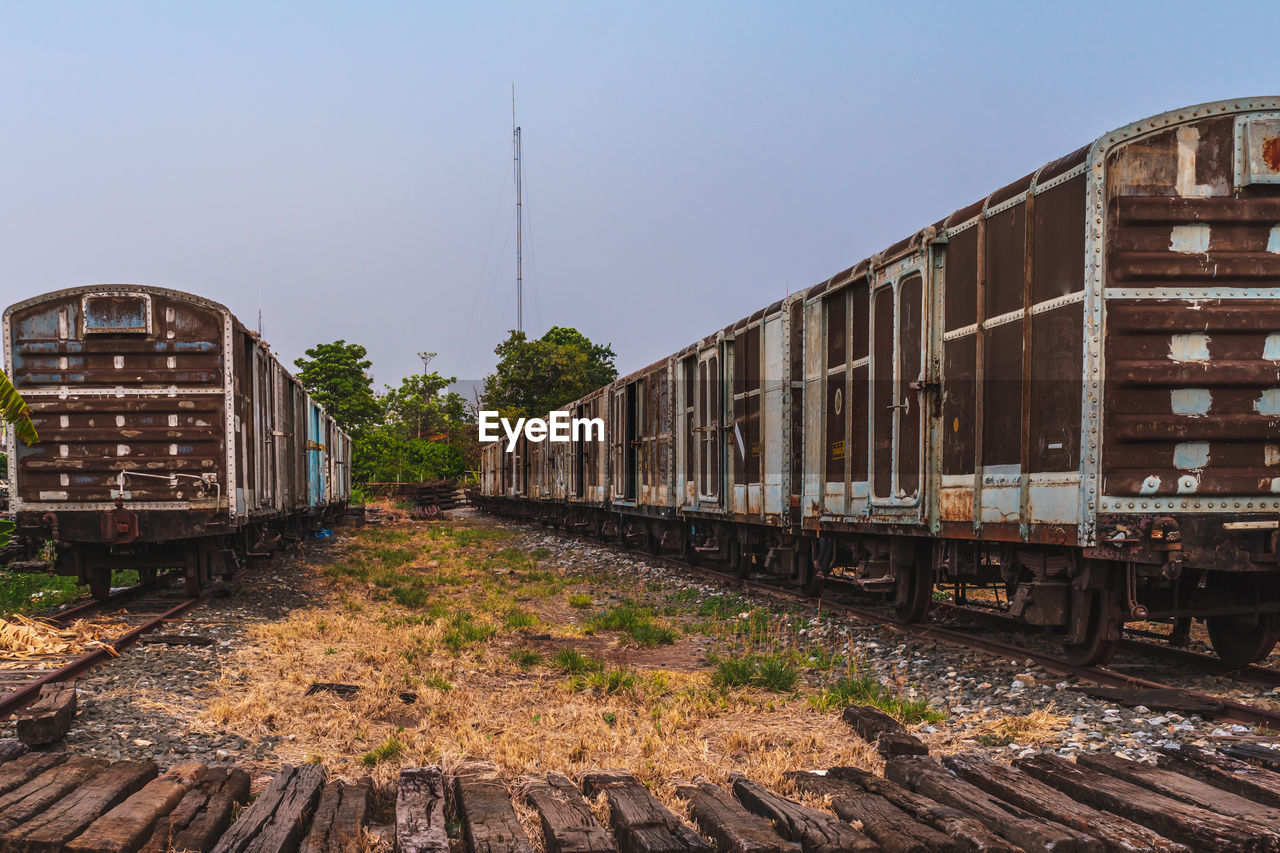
x,y
710,436
897,384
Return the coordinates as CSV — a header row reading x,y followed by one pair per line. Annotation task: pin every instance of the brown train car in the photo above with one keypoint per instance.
x,y
1068,391
171,437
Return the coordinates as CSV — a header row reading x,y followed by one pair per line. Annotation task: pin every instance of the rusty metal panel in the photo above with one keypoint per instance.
x,y
1193,398
689,437
882,393
1057,356
959,389
1005,256
910,378
775,442
795,380
1058,242
960,302
1192,391
1257,150
859,379
816,403
835,310
134,403
1002,395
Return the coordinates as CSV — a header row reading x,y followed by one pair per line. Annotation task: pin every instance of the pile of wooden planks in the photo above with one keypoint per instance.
x,y
1192,799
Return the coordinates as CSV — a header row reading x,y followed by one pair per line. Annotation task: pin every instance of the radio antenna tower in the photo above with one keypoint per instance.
x,y
515,133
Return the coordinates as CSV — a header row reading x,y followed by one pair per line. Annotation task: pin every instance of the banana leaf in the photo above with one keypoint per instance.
x,y
14,411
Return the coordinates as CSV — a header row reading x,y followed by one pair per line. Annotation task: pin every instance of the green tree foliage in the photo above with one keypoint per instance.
x,y
385,455
337,376
427,434
535,377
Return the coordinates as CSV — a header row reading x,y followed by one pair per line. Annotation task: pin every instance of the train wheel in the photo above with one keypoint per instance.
x,y
100,583
744,565
914,591
1102,636
1244,638
191,571
805,572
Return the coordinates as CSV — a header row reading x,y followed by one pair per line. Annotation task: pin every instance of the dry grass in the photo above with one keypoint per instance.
x,y
426,608
1038,728
23,638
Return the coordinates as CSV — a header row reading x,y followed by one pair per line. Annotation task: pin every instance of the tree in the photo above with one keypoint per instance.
x,y
337,376
422,409
535,377
383,455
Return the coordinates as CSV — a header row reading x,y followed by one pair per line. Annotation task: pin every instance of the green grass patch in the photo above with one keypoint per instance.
x,y
386,537
526,658
463,632
387,750
769,672
518,617
467,537
393,558
865,690
575,662
635,621
609,681
580,600
23,593
410,596
436,681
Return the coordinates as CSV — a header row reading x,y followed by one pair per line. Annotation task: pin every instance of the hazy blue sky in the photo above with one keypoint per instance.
x,y
348,166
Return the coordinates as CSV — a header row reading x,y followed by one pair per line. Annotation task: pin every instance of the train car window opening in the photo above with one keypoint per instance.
x,y
117,314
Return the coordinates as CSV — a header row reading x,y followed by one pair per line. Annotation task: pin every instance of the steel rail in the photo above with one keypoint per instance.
x,y
62,617
20,698
1210,664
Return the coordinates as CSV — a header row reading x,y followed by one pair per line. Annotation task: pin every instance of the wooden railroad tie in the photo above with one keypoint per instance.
x,y
489,821
640,823
568,824
49,718
1198,827
732,827
1017,788
888,735
275,821
886,824
420,821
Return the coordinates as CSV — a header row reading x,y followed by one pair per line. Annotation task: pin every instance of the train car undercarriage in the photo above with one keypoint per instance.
x,y
1084,600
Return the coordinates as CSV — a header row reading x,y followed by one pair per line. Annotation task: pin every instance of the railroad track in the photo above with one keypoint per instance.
x,y
1206,664
1225,709
149,606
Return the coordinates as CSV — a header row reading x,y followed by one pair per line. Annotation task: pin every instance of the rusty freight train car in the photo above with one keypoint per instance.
x,y
171,437
1067,392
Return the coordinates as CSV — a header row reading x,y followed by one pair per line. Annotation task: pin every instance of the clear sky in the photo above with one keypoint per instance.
x,y
347,166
